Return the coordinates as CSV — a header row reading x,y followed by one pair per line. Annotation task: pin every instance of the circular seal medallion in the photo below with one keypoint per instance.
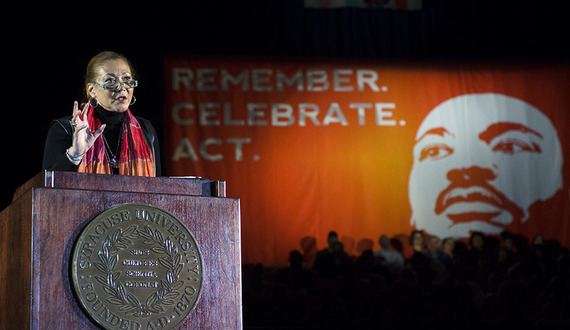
x,y
135,266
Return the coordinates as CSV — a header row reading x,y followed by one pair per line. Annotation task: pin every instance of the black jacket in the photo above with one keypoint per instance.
x,y
60,136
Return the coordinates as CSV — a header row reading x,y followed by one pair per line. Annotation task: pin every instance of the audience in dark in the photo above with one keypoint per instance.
x,y
447,246
387,256
490,282
417,243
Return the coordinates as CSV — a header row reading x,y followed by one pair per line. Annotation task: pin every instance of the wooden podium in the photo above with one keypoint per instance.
x,y
39,228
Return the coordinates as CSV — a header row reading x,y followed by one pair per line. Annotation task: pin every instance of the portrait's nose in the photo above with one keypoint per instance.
x,y
471,174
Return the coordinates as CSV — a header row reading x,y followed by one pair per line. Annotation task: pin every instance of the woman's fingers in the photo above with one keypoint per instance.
x,y
75,108
83,137
75,113
99,131
84,112
79,118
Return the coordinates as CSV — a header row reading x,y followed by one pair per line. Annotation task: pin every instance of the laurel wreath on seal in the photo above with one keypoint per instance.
x,y
118,294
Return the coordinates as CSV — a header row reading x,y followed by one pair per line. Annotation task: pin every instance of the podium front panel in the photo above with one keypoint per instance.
x,y
54,221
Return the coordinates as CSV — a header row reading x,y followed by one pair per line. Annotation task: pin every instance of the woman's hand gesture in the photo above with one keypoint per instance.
x,y
83,138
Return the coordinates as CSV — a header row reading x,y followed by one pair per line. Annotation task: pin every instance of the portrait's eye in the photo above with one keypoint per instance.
x,y
515,146
435,152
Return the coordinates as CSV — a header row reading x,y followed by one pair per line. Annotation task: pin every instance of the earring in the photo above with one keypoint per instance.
x,y
133,100
96,102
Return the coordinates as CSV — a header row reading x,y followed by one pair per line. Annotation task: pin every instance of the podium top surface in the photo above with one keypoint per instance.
x,y
122,183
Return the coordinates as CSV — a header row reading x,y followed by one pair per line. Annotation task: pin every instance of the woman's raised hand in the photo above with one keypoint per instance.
x,y
83,138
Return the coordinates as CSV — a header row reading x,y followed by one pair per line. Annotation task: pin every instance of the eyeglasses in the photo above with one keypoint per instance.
x,y
115,85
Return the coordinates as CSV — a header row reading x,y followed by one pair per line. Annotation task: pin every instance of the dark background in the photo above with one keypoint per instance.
x,y
46,48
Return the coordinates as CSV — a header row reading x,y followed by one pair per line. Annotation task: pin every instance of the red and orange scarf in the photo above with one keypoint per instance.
x,y
135,155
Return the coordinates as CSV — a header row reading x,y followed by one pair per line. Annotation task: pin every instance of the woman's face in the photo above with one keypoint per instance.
x,y
448,246
417,239
477,242
112,100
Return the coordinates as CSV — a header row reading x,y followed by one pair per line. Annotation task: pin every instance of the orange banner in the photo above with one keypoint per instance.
x,y
372,148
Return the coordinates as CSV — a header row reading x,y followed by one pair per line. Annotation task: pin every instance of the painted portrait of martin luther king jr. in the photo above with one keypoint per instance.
x,y
480,162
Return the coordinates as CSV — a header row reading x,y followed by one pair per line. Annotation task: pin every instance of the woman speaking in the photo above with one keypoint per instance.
x,y
104,136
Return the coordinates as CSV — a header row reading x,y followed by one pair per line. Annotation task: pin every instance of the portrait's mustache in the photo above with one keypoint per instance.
x,y
472,185
457,193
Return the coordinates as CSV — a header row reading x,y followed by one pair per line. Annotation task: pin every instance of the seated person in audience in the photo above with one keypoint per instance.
x,y
417,241
433,247
447,246
389,258
332,260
